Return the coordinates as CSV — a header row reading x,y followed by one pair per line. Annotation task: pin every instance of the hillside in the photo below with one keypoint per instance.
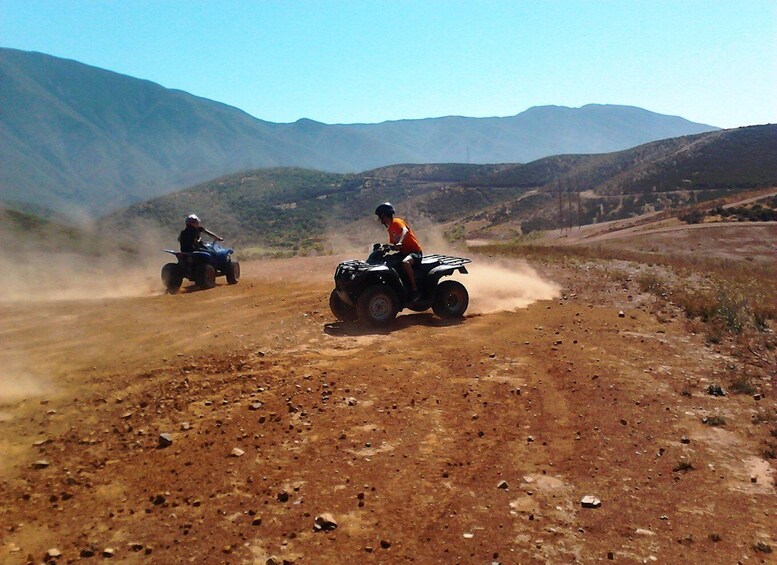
x,y
25,231
76,137
295,209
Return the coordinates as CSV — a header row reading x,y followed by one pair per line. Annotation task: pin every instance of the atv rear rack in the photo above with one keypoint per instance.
x,y
446,260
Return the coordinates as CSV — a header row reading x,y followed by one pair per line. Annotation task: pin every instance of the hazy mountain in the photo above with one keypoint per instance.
x,y
78,137
292,208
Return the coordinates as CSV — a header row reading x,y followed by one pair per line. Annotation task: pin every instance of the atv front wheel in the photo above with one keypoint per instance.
x,y
172,277
342,310
377,305
232,272
205,276
450,300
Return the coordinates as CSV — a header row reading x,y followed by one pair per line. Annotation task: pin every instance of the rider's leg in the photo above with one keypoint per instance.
x,y
407,265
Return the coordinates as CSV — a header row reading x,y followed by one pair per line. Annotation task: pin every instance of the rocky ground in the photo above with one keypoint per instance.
x,y
244,425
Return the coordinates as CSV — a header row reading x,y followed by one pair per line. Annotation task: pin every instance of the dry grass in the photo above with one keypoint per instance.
x,y
683,466
723,299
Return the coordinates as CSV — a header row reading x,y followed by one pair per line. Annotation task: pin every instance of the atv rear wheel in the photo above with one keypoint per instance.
x,y
377,305
342,311
172,277
205,276
232,272
450,300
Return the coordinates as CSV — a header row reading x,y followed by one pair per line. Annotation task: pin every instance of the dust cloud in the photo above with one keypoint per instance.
x,y
494,285
16,386
36,273
505,286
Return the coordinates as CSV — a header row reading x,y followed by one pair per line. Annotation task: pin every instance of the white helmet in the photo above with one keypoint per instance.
x,y
192,219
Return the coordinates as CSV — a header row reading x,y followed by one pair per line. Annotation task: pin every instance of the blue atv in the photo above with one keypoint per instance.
x,y
375,290
202,267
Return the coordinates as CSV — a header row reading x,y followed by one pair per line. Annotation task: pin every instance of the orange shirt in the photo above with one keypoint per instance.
x,y
410,243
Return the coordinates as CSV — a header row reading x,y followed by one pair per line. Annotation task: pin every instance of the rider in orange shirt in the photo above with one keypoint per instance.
x,y
401,236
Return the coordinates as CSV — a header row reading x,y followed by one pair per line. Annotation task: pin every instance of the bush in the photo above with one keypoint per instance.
x,y
742,385
693,217
683,466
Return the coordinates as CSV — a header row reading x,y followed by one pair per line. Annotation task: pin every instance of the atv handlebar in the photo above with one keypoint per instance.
x,y
385,247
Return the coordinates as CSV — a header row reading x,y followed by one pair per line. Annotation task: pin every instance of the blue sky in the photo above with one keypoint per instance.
x,y
351,61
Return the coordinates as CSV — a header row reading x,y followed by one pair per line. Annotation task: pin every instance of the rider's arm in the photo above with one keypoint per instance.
x,y
210,233
401,237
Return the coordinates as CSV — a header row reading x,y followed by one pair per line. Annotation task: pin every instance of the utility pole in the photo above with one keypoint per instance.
x,y
579,220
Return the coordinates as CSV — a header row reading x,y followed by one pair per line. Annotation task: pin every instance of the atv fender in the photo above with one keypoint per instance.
x,y
444,270
385,276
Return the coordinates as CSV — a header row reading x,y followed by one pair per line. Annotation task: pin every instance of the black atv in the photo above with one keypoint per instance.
x,y
374,291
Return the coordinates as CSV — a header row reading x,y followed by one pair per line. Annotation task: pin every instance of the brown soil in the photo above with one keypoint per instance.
x,y
404,436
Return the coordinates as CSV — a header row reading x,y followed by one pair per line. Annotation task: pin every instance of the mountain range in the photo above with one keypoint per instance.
x,y
79,138
294,209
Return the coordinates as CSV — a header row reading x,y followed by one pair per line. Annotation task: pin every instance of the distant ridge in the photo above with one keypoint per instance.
x,y
76,137
292,209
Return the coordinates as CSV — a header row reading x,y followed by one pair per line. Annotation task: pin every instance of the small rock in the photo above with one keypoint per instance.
x,y
352,401
643,532
88,552
165,440
589,501
237,452
503,485
283,496
53,553
715,390
186,426
109,552
385,544
753,479
621,314
756,397
40,464
468,535
685,439
325,522
255,406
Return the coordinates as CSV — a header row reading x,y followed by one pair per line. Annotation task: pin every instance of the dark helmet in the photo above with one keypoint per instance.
x,y
385,209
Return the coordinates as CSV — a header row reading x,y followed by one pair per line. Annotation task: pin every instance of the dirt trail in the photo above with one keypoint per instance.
x,y
431,441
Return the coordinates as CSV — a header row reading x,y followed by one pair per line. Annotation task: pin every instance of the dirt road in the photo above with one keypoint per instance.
x,y
431,442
